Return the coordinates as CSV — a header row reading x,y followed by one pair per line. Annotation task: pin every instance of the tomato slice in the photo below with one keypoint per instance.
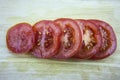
x,y
71,39
109,42
47,39
20,38
91,39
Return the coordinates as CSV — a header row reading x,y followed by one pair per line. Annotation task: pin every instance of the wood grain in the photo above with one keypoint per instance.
x,y
26,67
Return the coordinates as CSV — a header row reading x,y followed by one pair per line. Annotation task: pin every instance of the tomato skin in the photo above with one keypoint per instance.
x,y
84,53
75,45
48,31
112,37
20,38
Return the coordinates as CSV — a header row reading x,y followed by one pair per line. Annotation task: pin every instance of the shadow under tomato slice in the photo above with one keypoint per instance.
x,y
91,39
47,39
20,38
71,38
109,42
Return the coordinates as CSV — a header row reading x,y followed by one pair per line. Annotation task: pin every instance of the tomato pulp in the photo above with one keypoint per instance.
x,y
109,42
91,39
71,38
47,39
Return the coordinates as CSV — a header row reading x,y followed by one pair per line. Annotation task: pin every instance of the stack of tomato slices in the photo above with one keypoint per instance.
x,y
63,38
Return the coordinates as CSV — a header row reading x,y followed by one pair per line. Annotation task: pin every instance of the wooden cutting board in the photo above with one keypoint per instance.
x,y
26,67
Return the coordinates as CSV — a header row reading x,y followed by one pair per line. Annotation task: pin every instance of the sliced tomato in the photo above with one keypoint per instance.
x,y
109,42
71,39
47,39
20,38
91,39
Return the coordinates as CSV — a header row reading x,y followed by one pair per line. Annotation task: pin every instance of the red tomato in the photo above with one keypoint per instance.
x,y
71,39
109,42
20,38
91,39
47,39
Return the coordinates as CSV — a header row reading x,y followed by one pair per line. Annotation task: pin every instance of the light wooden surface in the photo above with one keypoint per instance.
x,y
26,67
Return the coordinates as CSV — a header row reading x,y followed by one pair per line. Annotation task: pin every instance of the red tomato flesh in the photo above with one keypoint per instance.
x,y
20,38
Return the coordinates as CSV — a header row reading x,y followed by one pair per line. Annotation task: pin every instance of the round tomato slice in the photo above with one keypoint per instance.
x,y
91,39
20,38
71,39
109,42
47,39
